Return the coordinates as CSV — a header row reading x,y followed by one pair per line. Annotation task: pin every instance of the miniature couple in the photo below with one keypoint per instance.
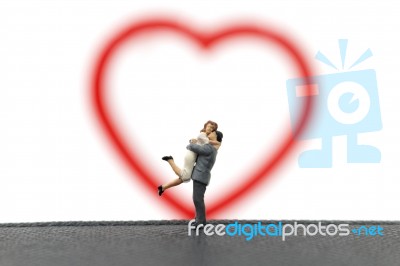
x,y
198,162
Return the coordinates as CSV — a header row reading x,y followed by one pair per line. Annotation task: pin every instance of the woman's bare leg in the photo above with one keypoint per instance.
x,y
172,183
174,167
176,181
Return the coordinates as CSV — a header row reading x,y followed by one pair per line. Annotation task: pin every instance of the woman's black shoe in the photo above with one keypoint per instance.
x,y
166,158
160,190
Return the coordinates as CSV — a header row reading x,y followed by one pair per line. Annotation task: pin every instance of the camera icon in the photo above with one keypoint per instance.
x,y
346,103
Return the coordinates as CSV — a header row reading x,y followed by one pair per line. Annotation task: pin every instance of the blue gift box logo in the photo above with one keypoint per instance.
x,y
347,103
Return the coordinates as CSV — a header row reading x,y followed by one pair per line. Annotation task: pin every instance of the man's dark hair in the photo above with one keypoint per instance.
x,y
219,135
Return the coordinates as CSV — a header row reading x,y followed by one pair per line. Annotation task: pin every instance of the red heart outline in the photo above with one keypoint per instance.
x,y
205,40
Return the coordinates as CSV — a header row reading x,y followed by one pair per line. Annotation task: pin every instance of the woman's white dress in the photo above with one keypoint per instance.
x,y
190,159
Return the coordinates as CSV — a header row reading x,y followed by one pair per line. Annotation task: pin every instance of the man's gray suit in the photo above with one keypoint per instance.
x,y
201,176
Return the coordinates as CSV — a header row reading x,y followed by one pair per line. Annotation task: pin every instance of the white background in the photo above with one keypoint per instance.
x,y
57,165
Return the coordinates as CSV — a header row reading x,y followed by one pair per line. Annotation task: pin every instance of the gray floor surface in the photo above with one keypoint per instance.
x,y
168,243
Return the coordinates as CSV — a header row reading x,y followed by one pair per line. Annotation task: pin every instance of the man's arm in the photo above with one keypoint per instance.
x,y
200,149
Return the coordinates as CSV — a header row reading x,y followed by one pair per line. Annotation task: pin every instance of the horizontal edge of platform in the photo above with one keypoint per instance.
x,y
185,222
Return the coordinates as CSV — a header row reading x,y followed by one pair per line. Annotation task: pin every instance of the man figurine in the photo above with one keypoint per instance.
x,y
202,173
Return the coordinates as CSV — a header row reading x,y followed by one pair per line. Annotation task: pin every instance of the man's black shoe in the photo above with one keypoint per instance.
x,y
195,224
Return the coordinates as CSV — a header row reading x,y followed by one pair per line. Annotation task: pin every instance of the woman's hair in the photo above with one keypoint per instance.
x,y
209,122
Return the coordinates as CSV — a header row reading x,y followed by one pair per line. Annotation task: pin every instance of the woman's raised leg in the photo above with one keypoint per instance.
x,y
172,183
